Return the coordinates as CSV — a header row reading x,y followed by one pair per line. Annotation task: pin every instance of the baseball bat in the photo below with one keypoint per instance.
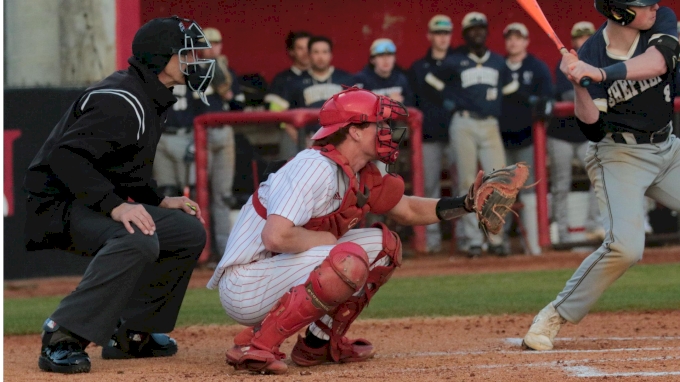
x,y
536,13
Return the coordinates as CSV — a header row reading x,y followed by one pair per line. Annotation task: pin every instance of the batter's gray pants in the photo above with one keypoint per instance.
x,y
137,279
171,169
527,197
474,140
622,175
561,154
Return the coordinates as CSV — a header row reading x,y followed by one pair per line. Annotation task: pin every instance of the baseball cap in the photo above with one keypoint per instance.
x,y
473,19
582,28
213,35
516,27
440,23
383,46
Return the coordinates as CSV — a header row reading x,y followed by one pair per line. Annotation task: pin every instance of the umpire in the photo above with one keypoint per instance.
x,y
98,158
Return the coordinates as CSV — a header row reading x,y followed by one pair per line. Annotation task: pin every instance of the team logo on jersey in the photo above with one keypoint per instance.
x,y
481,75
527,77
320,92
623,90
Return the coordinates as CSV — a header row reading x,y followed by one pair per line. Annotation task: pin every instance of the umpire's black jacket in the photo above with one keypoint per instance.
x,y
100,153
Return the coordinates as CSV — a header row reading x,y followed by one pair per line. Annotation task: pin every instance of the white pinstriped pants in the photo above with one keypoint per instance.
x,y
249,291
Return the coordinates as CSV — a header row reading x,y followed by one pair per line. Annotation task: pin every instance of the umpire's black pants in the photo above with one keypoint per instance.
x,y
135,278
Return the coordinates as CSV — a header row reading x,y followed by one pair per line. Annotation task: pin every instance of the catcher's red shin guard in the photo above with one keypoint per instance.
x,y
339,348
240,341
340,275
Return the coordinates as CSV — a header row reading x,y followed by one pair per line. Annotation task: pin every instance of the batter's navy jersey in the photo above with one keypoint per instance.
x,y
632,106
533,78
310,91
477,82
397,83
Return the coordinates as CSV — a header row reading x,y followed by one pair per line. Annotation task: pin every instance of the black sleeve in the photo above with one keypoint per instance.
x,y
148,194
106,123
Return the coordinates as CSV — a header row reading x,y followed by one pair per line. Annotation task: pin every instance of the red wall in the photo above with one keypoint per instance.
x,y
254,31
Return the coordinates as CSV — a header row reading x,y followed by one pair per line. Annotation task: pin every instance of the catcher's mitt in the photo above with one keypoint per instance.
x,y
492,195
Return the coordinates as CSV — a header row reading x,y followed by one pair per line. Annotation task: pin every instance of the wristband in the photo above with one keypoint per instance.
x,y
446,207
615,72
602,74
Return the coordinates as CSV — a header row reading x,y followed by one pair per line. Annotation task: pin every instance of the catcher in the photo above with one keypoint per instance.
x,y
293,258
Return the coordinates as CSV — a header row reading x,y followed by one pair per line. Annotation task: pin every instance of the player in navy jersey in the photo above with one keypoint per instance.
x,y
282,84
382,77
531,101
626,112
478,82
321,81
428,76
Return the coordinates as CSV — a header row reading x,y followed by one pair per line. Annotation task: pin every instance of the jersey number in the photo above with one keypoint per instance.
x,y
667,92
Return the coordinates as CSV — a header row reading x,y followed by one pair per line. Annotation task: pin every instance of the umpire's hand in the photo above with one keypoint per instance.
x,y
183,203
127,213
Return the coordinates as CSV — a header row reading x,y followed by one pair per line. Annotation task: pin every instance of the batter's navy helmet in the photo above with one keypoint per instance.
x,y
617,10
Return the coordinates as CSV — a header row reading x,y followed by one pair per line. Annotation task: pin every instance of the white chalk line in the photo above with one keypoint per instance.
x,y
591,372
519,352
518,341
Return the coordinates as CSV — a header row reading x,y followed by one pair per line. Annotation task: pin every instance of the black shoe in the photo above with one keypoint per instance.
x,y
140,345
499,250
62,352
474,252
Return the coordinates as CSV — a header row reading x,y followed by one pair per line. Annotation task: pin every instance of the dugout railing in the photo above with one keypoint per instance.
x,y
298,118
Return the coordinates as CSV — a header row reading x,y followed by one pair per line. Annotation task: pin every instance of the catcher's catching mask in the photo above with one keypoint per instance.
x,y
354,105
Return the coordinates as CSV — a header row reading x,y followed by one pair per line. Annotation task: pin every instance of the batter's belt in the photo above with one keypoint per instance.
x,y
640,138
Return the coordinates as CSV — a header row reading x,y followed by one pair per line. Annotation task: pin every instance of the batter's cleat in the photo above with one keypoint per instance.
x,y
543,330
139,345
256,360
357,350
62,351
500,250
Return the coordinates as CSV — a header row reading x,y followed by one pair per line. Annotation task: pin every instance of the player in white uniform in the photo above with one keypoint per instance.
x,y
293,259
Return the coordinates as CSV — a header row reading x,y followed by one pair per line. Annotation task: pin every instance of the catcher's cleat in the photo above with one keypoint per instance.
x,y
256,360
543,330
139,345
357,350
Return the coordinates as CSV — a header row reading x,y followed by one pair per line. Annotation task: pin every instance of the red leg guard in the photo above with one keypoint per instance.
x,y
240,341
340,275
342,349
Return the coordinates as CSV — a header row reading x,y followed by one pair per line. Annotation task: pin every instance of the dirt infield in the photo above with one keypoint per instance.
x,y
627,346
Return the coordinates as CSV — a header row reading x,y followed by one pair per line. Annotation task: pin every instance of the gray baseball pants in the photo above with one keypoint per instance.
x,y
474,140
622,175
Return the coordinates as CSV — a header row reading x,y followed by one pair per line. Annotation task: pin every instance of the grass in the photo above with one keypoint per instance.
x,y
644,287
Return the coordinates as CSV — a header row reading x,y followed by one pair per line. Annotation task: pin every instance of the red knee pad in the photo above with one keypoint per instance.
x,y
341,274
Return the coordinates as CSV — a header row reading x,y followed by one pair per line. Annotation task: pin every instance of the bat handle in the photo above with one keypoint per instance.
x,y
585,81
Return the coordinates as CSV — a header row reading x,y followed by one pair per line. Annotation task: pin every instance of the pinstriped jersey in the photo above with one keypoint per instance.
x,y
632,106
308,186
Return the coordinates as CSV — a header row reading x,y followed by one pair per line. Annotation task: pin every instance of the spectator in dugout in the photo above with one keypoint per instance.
x,y
427,76
320,82
383,77
478,81
224,94
566,142
279,93
520,109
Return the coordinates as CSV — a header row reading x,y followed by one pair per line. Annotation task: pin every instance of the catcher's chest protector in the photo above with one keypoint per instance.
x,y
355,204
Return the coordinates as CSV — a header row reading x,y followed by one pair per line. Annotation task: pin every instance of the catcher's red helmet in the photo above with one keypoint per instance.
x,y
354,105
